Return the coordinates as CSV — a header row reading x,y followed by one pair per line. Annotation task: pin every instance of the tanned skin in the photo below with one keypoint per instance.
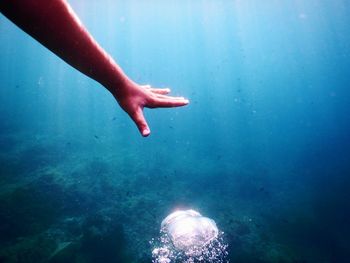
x,y
55,25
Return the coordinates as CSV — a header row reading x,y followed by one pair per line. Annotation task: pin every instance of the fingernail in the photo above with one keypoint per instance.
x,y
187,101
146,132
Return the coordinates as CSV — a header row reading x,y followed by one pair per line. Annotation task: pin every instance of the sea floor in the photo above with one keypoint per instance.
x,y
69,200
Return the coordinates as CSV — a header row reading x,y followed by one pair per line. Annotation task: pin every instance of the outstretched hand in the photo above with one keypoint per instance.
x,y
66,36
133,98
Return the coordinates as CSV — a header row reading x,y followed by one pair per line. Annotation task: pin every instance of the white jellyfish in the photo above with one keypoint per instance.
x,y
188,234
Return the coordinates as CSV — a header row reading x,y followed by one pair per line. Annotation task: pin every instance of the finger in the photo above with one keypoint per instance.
x,y
160,96
168,103
156,91
161,91
141,123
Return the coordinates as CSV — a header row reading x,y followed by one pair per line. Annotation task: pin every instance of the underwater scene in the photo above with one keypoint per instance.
x,y
261,154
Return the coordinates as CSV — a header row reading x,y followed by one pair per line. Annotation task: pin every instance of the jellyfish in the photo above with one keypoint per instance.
x,y
187,236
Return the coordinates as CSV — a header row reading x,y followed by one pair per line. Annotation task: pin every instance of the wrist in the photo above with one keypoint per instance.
x,y
116,81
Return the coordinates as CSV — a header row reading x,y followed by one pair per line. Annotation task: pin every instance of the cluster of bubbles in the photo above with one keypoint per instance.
x,y
188,237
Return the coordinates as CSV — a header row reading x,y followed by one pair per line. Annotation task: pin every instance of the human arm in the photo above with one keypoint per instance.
x,y
55,25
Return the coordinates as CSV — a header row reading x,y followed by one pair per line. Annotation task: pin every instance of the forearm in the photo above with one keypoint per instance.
x,y
54,24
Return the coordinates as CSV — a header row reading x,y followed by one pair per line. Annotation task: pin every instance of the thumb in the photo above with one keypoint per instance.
x,y
141,123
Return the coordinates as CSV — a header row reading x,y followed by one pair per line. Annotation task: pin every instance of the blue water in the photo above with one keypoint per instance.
x,y
263,147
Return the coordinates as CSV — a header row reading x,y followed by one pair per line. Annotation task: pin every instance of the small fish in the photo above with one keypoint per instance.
x,y
96,137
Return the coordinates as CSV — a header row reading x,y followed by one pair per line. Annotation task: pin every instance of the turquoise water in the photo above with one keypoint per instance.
x,y
263,147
